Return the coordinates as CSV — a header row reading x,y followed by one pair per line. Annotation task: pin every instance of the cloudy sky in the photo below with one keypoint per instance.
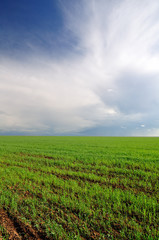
x,y
79,67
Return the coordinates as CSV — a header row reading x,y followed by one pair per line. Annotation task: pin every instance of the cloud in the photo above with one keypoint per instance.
x,y
107,83
46,96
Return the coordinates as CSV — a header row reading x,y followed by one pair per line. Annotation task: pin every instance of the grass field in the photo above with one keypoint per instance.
x,y
79,188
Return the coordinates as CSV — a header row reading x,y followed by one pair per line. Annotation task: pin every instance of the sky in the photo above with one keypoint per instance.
x,y
79,67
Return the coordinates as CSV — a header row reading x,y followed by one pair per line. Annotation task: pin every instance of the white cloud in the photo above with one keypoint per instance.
x,y
47,95
150,132
154,132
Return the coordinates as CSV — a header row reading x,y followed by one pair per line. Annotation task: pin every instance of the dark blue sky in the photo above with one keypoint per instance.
x,y
25,22
30,15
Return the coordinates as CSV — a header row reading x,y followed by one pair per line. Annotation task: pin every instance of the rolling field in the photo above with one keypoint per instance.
x,y
79,188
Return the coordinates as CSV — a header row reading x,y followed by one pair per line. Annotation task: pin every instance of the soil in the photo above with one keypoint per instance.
x,y
17,230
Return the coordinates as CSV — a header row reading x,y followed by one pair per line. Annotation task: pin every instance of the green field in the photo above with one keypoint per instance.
x,y
79,188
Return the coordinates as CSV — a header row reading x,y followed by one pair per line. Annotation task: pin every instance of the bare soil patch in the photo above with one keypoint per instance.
x,y
8,224
18,230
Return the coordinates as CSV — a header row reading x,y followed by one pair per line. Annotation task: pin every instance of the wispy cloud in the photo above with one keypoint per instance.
x,y
108,79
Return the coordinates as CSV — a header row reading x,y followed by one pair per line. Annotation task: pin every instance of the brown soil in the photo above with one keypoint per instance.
x,y
6,222
18,230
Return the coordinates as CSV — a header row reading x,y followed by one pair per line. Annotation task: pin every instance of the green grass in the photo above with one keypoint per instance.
x,y
82,187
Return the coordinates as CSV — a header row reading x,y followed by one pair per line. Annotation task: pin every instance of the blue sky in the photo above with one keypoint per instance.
x,y
26,23
79,67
